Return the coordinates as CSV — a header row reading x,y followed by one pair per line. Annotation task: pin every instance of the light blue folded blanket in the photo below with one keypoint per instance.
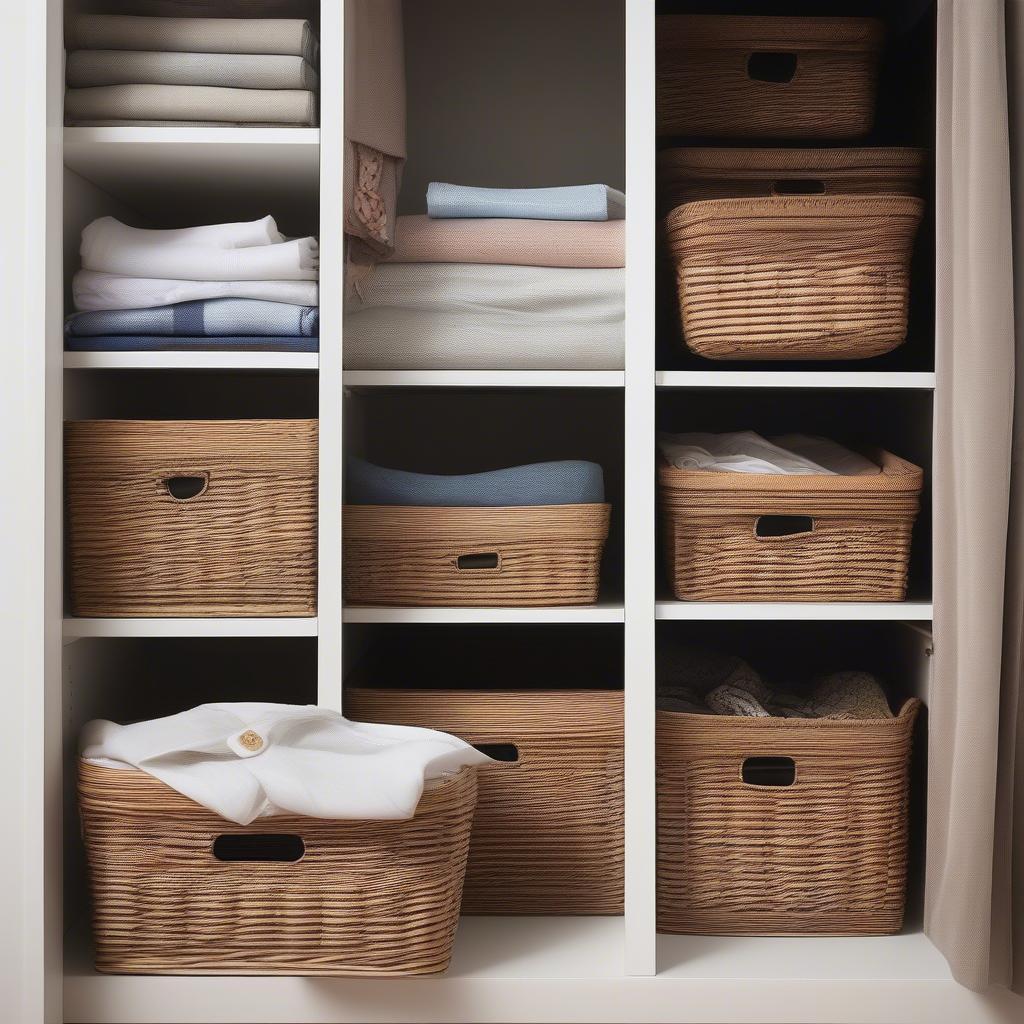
x,y
179,343
202,317
541,483
569,202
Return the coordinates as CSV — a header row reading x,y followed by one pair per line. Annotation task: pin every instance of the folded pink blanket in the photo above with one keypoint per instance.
x,y
524,243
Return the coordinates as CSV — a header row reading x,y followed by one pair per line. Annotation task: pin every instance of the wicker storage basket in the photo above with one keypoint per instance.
x,y
826,854
366,897
794,277
204,517
530,555
548,832
758,537
689,174
767,77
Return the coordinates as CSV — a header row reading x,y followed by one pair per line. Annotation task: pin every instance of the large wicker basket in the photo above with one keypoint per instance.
x,y
767,77
690,174
548,832
794,277
531,555
365,898
202,517
758,537
820,849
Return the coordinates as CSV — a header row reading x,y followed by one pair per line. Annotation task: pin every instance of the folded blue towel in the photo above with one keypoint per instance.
x,y
542,483
177,343
570,202
211,317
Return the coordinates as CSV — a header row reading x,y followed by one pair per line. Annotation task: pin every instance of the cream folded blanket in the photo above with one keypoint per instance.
x,y
297,260
483,317
247,760
86,68
190,103
108,232
192,35
94,290
524,243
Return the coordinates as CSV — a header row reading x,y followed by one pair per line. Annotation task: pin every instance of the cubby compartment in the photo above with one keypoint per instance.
x,y
546,554
868,421
734,792
546,703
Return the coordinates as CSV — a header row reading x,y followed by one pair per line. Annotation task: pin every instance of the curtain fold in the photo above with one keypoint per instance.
x,y
974,734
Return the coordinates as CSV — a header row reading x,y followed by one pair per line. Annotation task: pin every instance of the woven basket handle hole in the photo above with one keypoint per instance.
x,y
260,847
772,66
798,187
507,752
186,486
783,526
478,560
769,771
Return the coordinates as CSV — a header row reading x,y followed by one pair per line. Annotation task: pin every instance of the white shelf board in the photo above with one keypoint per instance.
x,y
539,970
82,628
604,611
190,166
307,361
792,379
898,611
485,378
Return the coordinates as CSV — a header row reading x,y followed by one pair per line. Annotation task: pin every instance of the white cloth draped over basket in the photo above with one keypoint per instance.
x,y
250,760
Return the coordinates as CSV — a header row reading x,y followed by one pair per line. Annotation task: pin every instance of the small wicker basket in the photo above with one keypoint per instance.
x,y
192,518
794,277
758,537
521,556
548,832
767,77
771,826
370,898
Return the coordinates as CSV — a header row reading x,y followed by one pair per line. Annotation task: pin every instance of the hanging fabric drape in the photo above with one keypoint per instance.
x,y
972,897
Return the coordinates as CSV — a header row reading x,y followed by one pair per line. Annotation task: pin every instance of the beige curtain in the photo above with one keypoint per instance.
x,y
973,896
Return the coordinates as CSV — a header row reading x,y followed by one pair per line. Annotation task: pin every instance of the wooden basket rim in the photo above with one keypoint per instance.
x,y
902,720
732,31
749,158
885,205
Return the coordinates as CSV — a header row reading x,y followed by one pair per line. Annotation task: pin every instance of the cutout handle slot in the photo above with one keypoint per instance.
x,y
783,526
798,187
507,752
772,66
260,847
769,771
186,486
478,560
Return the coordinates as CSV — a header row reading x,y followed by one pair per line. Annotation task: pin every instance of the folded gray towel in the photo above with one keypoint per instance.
x,y
542,483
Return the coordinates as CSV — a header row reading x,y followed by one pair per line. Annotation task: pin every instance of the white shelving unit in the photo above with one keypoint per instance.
x,y
614,969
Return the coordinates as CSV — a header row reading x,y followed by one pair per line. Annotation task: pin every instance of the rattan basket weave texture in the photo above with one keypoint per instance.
x,y
690,174
767,77
825,855
243,542
548,832
529,555
852,542
372,898
794,277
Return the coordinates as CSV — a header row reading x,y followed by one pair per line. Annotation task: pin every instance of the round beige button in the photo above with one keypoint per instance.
x,y
251,740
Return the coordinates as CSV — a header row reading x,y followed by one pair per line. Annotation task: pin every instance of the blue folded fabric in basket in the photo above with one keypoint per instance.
x,y
541,483
176,343
568,202
209,317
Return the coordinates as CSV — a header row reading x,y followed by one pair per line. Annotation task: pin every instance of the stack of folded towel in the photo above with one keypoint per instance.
x,y
702,682
495,279
127,70
218,286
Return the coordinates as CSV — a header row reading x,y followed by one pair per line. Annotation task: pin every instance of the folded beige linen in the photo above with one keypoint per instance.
x,y
192,103
523,243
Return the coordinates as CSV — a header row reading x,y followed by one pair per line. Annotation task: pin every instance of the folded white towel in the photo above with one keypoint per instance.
x,y
107,233
747,452
94,290
247,761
